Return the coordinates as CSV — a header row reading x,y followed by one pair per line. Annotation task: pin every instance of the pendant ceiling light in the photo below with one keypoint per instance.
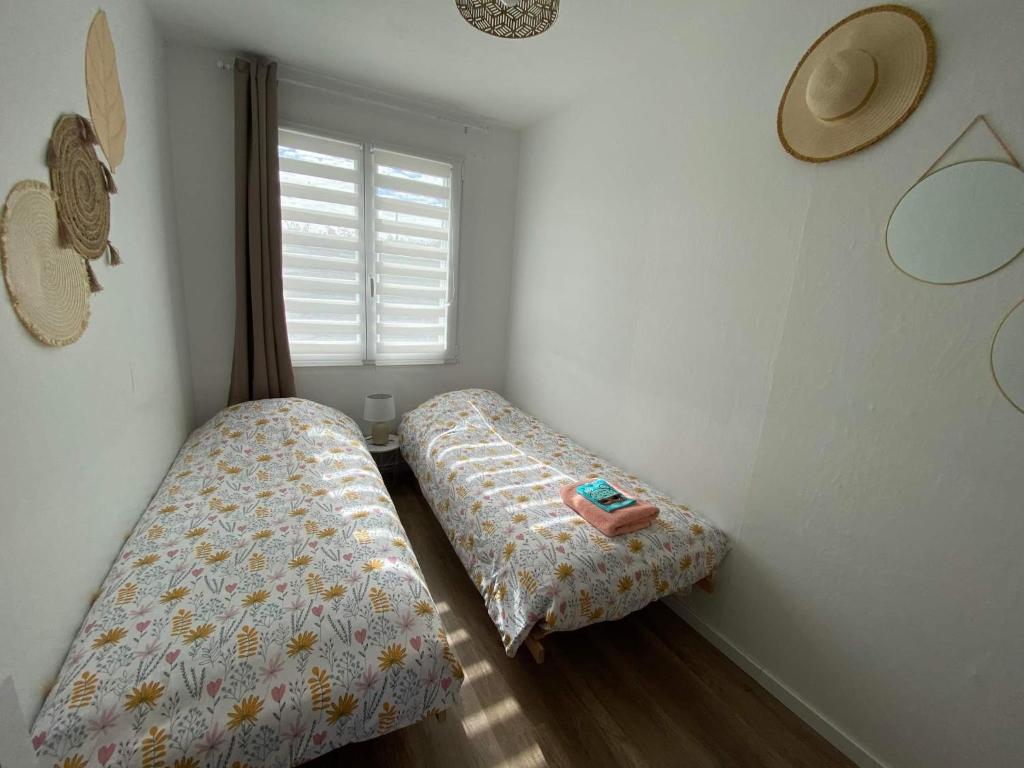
x,y
509,18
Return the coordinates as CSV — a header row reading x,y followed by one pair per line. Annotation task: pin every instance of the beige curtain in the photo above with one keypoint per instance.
x,y
262,365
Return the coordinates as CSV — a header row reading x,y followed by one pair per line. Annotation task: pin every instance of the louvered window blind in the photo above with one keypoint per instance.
x,y
369,253
412,258
322,239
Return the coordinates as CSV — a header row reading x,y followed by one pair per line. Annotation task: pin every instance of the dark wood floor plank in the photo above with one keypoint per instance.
x,y
783,730
643,691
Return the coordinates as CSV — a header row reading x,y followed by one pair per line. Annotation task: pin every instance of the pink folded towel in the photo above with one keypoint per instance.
x,y
617,523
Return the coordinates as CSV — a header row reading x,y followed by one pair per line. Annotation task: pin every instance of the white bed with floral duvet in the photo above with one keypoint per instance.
x,y
492,475
266,609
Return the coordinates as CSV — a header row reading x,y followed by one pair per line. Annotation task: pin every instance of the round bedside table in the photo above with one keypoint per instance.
x,y
388,457
391,445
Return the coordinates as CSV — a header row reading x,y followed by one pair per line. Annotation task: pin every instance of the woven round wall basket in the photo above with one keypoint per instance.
x,y
48,282
82,185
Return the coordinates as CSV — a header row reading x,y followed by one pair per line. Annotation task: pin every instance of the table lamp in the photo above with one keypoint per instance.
x,y
379,410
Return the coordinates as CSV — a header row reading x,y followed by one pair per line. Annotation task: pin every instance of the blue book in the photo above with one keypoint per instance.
x,y
604,495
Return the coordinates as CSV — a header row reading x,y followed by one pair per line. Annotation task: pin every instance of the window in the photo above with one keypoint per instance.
x,y
322,240
369,241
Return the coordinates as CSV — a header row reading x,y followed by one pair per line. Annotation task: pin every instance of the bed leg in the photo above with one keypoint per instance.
x,y
533,645
708,583
441,716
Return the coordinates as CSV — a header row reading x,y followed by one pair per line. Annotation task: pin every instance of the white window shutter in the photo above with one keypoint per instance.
x,y
413,259
322,225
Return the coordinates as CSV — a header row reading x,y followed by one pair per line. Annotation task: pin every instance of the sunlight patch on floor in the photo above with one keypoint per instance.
x,y
477,670
458,636
531,757
507,718
479,722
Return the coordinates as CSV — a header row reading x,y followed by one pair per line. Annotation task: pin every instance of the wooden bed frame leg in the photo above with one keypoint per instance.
x,y
442,715
708,583
533,645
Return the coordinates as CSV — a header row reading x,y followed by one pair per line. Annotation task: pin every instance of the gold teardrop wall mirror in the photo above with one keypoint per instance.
x,y
1008,357
960,223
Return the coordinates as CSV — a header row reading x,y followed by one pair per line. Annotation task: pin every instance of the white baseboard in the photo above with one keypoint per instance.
x,y
825,727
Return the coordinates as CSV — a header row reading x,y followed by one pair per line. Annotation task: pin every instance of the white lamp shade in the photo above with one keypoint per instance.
x,y
379,408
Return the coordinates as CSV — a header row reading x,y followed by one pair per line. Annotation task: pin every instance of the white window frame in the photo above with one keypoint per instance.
x,y
369,256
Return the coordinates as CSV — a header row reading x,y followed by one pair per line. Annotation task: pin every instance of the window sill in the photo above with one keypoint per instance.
x,y
377,363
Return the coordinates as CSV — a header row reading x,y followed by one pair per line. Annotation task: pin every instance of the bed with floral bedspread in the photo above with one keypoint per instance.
x,y
266,609
492,475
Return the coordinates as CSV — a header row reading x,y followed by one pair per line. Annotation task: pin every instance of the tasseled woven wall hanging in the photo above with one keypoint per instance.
x,y
82,185
45,233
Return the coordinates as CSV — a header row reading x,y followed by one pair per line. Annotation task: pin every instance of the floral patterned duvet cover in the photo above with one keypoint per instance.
x,y
492,475
266,609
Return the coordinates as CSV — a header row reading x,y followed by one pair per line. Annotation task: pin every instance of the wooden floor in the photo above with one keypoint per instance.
x,y
643,691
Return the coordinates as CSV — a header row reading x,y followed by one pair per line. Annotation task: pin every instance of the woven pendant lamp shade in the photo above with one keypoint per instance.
x,y
509,18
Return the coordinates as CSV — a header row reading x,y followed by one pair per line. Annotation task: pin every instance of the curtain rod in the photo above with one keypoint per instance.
x,y
336,87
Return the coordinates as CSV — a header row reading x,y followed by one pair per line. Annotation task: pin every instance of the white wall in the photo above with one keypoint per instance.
x,y
87,431
775,371
204,173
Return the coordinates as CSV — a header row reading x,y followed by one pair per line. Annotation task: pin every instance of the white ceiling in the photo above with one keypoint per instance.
x,y
423,49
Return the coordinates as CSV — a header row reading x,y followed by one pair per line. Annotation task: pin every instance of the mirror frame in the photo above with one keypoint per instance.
x,y
1019,306
888,223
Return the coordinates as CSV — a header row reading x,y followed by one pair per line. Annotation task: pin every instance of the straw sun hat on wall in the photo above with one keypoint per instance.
x,y
857,83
